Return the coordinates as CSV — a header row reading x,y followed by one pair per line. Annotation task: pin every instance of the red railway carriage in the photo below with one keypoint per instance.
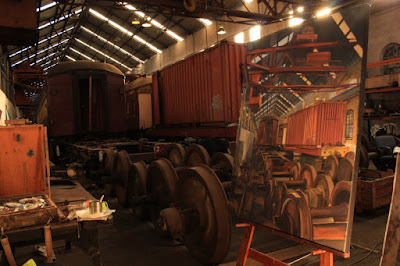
x,y
85,97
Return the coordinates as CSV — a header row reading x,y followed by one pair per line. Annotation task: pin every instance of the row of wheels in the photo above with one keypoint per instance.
x,y
183,194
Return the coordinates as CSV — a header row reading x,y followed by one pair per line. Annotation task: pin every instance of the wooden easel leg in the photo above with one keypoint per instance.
x,y
326,259
49,243
245,245
7,250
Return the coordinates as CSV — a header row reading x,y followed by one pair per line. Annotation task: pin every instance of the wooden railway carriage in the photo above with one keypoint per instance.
x,y
85,97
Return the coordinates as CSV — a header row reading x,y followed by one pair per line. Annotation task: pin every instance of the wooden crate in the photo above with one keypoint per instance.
x,y
24,172
374,192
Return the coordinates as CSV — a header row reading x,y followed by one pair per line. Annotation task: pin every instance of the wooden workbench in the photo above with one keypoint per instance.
x,y
82,234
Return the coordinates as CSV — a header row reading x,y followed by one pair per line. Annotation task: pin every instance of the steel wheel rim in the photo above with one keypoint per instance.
x,y
196,155
309,174
160,186
121,169
214,222
225,163
331,166
176,155
137,186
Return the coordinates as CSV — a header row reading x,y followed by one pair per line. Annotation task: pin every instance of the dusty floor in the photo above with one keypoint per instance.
x,y
131,242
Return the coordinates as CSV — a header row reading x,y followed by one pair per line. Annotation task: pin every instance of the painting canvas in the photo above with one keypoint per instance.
x,y
295,159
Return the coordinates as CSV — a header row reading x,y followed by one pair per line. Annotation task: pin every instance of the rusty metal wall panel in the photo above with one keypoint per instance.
x,y
320,124
204,88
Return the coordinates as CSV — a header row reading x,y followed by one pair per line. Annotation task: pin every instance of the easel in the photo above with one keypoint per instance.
x,y
245,252
392,235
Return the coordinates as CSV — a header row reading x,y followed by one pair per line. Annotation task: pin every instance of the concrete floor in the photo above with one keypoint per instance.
x,y
128,241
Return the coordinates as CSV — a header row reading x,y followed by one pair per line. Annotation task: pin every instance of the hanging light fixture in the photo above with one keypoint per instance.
x,y
136,21
221,30
146,24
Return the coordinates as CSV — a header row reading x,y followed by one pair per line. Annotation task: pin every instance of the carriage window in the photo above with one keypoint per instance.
x,y
349,124
392,50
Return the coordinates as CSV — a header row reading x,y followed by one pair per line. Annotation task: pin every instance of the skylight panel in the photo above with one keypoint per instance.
x,y
47,6
70,58
113,45
59,19
39,52
105,55
40,42
122,29
81,54
205,21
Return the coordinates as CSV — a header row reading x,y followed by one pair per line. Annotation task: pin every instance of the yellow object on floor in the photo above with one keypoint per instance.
x,y
30,262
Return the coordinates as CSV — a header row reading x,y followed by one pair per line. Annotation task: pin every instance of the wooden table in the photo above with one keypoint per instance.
x,y
83,234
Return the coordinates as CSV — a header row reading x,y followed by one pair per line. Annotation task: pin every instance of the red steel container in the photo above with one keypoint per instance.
x,y
202,90
320,124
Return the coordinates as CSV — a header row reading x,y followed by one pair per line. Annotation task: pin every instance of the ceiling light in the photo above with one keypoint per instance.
x,y
135,22
221,30
249,1
323,12
152,21
300,9
146,25
295,21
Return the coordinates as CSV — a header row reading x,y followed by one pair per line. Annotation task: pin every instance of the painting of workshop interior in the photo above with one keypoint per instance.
x,y
299,126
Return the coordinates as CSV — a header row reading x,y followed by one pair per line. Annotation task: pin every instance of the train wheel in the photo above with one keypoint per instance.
x,y
296,169
176,154
160,186
137,188
326,184
331,166
364,158
207,233
309,174
196,155
351,156
120,174
341,193
222,165
345,169
108,160
295,217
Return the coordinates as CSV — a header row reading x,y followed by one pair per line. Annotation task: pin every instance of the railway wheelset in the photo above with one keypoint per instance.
x,y
307,201
184,194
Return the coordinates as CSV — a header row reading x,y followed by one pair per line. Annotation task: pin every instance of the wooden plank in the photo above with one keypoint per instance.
x,y
392,235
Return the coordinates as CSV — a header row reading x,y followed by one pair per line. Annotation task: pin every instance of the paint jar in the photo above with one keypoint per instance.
x,y
96,206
